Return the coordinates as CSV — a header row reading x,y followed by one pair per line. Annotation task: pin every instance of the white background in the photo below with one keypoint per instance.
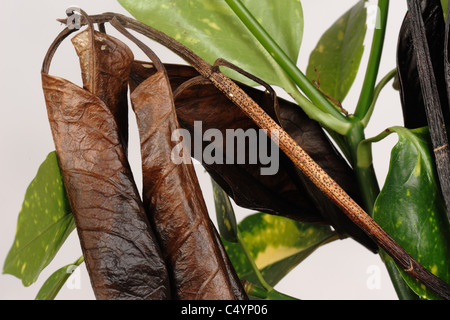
x,y
340,270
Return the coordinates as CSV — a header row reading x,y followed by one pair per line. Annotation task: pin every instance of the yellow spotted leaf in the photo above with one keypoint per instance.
x,y
277,245
411,209
44,223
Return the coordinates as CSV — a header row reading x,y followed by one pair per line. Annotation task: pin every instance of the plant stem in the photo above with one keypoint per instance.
x,y
316,97
383,82
365,174
363,165
325,119
368,88
364,160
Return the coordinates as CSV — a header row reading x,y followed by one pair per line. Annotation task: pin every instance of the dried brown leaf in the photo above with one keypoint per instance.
x,y
175,202
120,249
288,193
112,63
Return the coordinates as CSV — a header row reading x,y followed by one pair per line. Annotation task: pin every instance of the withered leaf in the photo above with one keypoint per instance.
x,y
175,203
112,63
412,100
288,192
121,252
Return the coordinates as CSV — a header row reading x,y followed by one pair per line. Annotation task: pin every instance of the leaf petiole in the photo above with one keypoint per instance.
x,y
368,88
316,97
383,82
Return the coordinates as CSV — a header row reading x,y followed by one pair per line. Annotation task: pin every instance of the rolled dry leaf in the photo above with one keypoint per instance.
x,y
287,193
120,249
108,78
175,203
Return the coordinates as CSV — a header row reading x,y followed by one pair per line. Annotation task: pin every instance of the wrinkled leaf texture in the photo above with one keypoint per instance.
x,y
174,201
120,249
413,105
288,192
110,87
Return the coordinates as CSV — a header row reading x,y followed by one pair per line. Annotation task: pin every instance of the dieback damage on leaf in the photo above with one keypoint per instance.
x,y
120,249
266,153
287,193
174,201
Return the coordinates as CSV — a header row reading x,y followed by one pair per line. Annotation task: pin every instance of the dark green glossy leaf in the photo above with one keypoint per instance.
x,y
212,30
226,219
411,208
338,54
44,223
54,283
277,245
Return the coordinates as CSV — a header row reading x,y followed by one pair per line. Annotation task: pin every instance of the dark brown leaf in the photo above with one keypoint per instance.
x,y
410,88
120,249
174,201
431,92
112,62
288,192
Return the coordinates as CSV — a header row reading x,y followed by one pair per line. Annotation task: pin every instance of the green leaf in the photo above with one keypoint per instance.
x,y
444,4
277,245
211,30
226,219
54,283
338,53
44,223
411,209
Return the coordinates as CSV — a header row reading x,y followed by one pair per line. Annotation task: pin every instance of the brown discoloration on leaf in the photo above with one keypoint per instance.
x,y
288,193
120,249
293,150
111,70
174,199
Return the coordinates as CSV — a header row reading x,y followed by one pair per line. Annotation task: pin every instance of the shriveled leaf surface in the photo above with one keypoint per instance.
x,y
287,192
410,89
120,249
243,183
212,30
44,223
277,245
175,203
411,208
313,140
338,53
121,252
110,87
